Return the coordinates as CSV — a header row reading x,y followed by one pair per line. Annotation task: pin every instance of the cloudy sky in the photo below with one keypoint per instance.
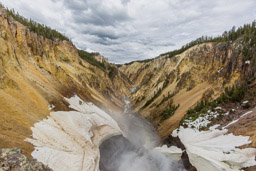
x,y
127,30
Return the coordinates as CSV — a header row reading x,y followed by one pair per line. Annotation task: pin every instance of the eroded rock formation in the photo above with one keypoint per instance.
x,y
201,72
36,72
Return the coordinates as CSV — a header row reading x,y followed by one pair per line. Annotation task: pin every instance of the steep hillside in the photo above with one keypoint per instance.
x,y
36,73
170,85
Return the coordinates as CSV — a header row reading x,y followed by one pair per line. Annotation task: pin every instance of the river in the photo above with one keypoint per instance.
x,y
134,151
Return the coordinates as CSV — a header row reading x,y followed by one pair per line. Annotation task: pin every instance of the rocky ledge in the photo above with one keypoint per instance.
x,y
13,159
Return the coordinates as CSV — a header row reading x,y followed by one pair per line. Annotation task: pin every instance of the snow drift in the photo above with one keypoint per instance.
x,y
215,149
70,140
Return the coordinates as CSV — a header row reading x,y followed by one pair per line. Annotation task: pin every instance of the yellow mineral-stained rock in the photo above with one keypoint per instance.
x,y
183,79
36,72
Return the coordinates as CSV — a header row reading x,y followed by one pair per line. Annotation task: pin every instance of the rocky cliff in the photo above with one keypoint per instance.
x,y
172,85
36,73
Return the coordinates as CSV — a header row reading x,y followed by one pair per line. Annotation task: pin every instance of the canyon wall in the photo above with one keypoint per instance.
x,y
201,72
36,73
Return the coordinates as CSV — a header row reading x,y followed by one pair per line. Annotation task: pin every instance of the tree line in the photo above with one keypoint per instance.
x,y
248,31
37,28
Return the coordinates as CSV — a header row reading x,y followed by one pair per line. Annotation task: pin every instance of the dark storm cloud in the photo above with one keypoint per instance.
x,y
126,30
105,41
102,34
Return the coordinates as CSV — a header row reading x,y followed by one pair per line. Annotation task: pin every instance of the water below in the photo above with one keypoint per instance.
x,y
134,151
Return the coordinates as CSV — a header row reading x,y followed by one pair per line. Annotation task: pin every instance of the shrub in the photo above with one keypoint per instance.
x,y
233,94
247,105
169,111
90,59
156,94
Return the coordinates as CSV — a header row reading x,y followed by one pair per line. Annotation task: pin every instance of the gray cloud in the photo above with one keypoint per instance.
x,y
97,13
126,30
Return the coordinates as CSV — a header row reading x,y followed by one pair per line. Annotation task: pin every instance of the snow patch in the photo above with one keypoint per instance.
x,y
245,102
202,121
175,133
216,150
218,108
134,88
220,70
227,113
70,140
247,62
50,107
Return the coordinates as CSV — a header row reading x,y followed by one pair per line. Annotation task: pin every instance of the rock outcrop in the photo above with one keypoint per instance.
x,y
13,159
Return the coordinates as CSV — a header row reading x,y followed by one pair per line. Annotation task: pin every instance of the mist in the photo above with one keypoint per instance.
x,y
134,151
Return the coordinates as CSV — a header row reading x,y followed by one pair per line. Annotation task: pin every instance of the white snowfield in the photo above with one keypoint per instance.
x,y
215,150
70,140
203,120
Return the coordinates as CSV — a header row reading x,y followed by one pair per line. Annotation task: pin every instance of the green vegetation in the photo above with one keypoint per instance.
x,y
249,48
90,59
156,94
248,31
118,65
166,83
106,67
112,71
169,111
166,98
246,105
37,28
234,94
140,61
201,107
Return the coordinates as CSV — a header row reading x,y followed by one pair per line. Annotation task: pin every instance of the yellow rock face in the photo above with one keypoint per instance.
x,y
203,70
36,72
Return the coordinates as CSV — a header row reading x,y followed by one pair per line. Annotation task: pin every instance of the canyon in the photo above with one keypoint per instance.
x,y
47,89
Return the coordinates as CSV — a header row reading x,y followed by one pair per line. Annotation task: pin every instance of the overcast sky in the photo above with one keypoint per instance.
x,y
128,30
